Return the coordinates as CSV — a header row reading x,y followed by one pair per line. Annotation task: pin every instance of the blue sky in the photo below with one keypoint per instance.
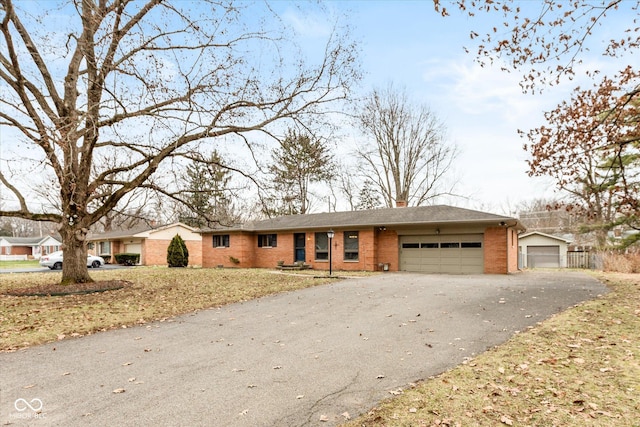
x,y
409,44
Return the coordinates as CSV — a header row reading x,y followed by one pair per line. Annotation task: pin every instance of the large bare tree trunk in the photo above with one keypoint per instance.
x,y
74,267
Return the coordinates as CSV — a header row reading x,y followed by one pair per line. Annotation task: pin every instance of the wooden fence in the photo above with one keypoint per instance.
x,y
580,260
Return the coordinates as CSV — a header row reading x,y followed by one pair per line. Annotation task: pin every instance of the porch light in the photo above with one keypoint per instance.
x,y
330,235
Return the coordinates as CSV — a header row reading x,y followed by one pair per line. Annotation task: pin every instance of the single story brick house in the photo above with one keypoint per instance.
x,y
28,247
150,242
431,239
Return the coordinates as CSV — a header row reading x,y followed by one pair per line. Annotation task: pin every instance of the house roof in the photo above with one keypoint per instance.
x,y
137,232
25,241
538,233
420,215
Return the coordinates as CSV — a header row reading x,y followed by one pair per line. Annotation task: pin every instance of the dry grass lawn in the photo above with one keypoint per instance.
x,y
152,294
579,368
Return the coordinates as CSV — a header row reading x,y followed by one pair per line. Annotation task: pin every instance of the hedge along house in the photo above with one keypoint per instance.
x,y
150,242
430,239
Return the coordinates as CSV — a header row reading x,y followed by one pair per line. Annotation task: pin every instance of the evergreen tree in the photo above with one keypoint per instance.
x,y
296,163
207,193
177,253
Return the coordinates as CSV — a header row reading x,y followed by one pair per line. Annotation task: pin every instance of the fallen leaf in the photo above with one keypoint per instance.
x,y
506,420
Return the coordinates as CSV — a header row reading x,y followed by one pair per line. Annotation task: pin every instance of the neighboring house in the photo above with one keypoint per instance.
x,y
151,243
28,247
543,250
431,239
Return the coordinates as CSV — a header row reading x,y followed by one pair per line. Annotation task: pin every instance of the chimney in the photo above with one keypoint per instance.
x,y
401,203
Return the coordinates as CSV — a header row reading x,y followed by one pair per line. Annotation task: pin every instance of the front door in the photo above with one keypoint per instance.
x,y
299,247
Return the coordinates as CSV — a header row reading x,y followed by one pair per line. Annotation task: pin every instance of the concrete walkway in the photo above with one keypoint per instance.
x,y
304,358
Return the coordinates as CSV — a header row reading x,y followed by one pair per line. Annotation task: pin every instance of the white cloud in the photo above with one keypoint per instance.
x,y
309,24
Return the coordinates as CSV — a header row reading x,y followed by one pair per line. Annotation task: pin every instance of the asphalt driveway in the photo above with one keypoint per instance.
x,y
309,357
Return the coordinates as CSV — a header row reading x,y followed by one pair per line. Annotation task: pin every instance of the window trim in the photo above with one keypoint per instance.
x,y
223,238
271,240
322,251
348,237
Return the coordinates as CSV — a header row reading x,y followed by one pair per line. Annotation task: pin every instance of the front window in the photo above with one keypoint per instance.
x,y
351,246
267,240
322,246
221,241
105,248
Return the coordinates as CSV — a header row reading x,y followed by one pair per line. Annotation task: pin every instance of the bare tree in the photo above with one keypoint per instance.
x,y
297,162
148,81
405,156
545,40
590,146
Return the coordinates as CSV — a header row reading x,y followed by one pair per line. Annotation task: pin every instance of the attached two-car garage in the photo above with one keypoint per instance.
x,y
454,253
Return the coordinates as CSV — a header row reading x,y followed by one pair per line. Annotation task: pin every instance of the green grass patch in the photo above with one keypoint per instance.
x,y
156,293
19,264
579,368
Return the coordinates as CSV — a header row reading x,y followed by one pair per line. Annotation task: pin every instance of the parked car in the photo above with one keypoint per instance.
x,y
54,261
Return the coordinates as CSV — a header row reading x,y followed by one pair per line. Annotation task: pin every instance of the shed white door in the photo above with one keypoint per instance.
x,y
543,256
456,254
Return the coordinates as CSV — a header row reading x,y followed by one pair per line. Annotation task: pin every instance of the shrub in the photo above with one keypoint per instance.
x,y
177,253
127,258
622,263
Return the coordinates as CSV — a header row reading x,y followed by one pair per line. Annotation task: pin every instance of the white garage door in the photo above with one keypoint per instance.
x,y
543,256
457,254
133,248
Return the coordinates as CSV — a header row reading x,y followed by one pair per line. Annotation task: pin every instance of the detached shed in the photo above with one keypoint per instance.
x,y
540,250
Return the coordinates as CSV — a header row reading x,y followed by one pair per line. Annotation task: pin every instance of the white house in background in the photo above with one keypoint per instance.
x,y
540,250
28,247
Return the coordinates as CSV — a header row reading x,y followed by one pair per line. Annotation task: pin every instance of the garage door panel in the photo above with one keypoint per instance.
x,y
543,256
443,254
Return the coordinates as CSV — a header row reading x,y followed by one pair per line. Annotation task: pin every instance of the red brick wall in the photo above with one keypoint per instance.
x,y
20,250
366,252
240,247
269,257
154,252
245,248
495,250
387,249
